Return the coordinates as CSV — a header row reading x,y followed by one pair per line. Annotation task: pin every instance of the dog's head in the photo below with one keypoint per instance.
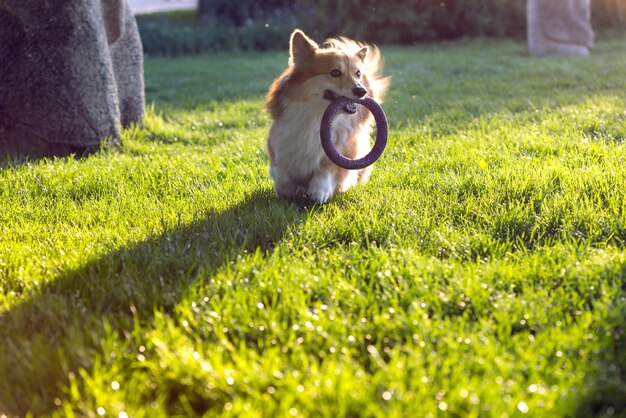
x,y
340,67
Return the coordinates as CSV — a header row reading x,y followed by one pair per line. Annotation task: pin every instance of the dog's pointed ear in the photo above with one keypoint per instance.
x,y
301,47
362,53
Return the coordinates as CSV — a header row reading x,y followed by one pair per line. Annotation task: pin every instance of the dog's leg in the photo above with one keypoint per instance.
x,y
346,179
283,185
364,175
322,186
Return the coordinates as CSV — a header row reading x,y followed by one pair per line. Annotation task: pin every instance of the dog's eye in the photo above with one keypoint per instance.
x,y
358,74
335,73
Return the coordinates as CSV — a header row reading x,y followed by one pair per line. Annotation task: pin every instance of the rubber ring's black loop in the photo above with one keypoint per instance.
x,y
381,133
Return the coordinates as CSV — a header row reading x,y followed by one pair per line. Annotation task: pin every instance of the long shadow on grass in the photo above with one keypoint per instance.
x,y
59,329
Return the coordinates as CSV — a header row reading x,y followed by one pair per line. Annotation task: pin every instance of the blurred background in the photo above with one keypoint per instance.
x,y
156,6
224,25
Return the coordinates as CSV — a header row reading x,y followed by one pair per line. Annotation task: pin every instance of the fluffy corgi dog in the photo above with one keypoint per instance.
x,y
297,99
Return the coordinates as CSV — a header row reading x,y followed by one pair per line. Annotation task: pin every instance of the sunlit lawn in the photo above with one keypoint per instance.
x,y
481,271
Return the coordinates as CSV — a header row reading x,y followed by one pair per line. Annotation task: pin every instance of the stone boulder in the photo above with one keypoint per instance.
x,y
559,27
71,75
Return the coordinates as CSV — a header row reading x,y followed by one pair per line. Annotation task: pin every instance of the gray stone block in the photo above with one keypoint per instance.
x,y
559,27
71,75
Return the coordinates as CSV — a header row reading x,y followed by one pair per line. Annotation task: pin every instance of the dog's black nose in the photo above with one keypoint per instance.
x,y
359,91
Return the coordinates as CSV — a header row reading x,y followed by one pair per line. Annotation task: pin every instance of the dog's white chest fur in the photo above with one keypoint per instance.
x,y
296,137
298,159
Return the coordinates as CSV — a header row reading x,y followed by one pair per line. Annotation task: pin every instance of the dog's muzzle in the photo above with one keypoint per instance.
x,y
349,108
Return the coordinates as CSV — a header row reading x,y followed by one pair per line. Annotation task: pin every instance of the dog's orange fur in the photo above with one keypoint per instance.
x,y
296,102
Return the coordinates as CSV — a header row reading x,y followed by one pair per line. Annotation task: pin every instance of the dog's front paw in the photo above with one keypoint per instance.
x,y
321,188
320,195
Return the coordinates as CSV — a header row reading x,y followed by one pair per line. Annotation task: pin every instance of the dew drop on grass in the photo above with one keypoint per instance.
x,y
443,406
122,415
523,408
115,385
293,412
101,411
271,390
532,388
300,388
230,380
387,395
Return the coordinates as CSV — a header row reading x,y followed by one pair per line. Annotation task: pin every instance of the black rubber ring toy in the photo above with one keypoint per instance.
x,y
326,133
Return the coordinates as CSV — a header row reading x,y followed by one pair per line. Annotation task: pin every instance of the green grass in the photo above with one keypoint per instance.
x,y
480,272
